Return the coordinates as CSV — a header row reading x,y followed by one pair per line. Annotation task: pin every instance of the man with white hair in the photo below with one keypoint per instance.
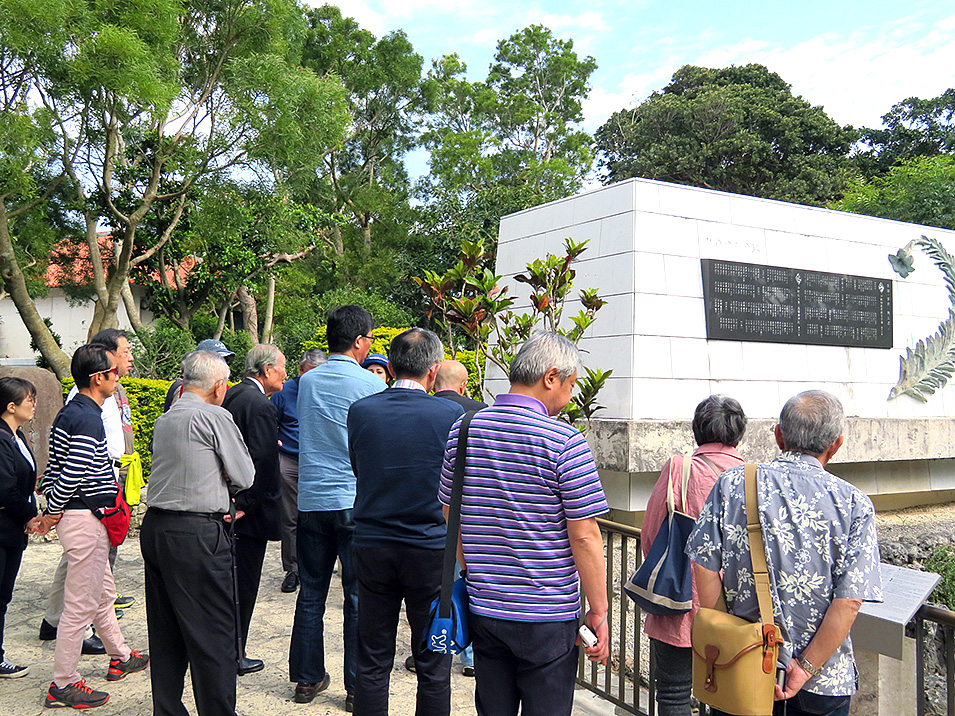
x,y
259,508
199,461
821,550
529,537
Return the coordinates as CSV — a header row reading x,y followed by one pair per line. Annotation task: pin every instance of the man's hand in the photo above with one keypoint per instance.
x,y
46,523
796,676
31,526
598,625
238,514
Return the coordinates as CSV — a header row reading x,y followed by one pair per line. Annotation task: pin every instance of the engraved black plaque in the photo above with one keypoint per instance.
x,y
752,302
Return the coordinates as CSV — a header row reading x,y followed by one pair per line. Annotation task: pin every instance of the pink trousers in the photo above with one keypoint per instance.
x,y
88,595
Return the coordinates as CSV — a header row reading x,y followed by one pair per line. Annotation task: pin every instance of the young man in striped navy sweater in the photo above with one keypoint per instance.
x,y
80,463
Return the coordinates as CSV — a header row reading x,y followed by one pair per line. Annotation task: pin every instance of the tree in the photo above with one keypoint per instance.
x,y
912,128
129,106
920,190
736,129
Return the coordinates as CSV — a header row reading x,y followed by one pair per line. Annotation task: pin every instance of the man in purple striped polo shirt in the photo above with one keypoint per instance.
x,y
529,537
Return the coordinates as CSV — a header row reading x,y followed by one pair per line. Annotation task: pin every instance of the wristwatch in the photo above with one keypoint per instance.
x,y
807,666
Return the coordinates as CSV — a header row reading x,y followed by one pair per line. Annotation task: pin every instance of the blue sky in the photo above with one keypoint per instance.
x,y
856,59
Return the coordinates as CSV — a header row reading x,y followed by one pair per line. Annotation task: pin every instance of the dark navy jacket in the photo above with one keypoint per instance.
x,y
17,482
396,442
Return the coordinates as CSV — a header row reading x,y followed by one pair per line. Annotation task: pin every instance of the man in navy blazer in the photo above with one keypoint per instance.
x,y
396,444
258,509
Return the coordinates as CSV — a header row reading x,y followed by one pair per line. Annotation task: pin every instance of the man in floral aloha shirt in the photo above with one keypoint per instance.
x,y
821,551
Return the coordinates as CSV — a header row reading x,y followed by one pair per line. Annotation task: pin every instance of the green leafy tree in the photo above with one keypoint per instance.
x,y
736,129
124,108
920,190
912,128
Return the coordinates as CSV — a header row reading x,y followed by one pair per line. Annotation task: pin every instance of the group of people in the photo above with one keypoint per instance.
x,y
820,542
355,475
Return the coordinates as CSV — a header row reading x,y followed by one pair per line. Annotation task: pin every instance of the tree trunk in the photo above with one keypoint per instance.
x,y
132,308
250,312
269,312
15,283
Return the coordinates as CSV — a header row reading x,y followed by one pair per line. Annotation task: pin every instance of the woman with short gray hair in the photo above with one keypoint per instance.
x,y
718,425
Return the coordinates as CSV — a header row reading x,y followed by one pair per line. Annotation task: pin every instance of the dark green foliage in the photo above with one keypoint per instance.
x,y
920,190
736,129
159,350
943,562
42,362
239,342
912,128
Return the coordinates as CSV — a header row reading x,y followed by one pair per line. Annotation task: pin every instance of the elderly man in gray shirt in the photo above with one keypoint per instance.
x,y
199,461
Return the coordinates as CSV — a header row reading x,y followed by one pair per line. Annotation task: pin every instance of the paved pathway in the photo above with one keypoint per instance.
x,y
265,693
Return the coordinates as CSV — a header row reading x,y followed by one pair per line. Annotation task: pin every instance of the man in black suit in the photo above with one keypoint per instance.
x,y
258,509
452,384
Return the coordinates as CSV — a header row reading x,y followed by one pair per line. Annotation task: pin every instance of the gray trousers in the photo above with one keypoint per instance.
x,y
674,678
288,467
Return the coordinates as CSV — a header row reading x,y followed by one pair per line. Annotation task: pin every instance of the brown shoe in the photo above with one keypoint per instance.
x,y
349,702
304,693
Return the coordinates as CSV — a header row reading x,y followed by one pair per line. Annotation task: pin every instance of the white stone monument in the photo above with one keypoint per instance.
x,y
647,243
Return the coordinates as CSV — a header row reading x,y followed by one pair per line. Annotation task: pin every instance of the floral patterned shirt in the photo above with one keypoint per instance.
x,y
820,538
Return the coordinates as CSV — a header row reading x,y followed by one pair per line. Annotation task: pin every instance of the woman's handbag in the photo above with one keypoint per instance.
x,y
115,519
663,584
447,631
734,661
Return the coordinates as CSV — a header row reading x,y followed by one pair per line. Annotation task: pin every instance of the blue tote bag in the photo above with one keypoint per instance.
x,y
663,584
447,631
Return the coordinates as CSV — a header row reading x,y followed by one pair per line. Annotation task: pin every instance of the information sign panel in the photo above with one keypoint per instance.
x,y
880,626
753,302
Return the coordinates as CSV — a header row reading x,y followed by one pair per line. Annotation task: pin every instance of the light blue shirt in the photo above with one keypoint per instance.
x,y
325,478
821,544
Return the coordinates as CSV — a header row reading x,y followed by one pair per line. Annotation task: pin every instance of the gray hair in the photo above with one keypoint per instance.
x,y
719,419
313,358
811,422
413,352
259,357
203,369
541,352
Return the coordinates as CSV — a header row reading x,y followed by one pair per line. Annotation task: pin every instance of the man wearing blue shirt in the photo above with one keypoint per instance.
x,y
326,496
286,407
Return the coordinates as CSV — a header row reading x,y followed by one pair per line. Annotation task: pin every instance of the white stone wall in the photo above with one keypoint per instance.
x,y
647,239
70,322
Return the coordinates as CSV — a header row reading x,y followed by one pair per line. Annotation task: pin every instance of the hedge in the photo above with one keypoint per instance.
x,y
381,342
146,400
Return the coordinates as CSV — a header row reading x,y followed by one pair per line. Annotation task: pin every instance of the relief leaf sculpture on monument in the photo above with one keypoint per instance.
x,y
927,368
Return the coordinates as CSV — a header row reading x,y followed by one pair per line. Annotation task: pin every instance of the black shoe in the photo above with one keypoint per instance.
x,y
249,666
468,671
47,631
409,664
290,583
93,646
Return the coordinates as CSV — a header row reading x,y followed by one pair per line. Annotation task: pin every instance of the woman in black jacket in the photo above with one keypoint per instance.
x,y
17,504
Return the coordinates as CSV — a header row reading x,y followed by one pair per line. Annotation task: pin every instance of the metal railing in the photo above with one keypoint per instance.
x,y
945,623
620,680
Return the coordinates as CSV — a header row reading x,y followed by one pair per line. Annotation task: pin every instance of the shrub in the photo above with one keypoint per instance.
x,y
159,350
943,562
240,343
146,399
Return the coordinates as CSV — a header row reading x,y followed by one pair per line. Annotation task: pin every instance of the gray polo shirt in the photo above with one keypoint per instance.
x,y
820,538
196,448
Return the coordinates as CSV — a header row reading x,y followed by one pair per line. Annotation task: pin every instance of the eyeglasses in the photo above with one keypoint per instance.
x,y
114,370
370,338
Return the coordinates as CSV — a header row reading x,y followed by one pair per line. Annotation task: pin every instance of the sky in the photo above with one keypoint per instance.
x,y
856,59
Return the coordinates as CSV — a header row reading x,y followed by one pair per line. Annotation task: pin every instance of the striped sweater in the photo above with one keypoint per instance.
x,y
79,458
525,475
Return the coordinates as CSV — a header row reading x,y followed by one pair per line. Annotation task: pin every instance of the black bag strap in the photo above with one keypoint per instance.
x,y
97,511
454,518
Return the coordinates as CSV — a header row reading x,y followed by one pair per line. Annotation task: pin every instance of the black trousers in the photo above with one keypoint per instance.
x,y
530,665
249,555
10,558
190,611
386,576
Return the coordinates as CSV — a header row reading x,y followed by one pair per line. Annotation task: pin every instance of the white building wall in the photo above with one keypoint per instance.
x,y
646,242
